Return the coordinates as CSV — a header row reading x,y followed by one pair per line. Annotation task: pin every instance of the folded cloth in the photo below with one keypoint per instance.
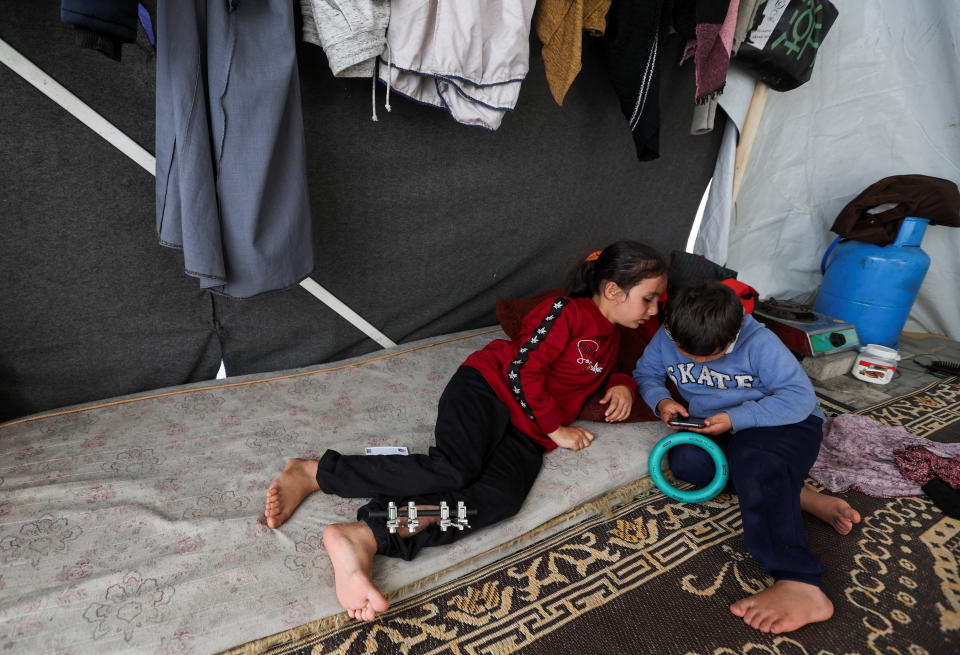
x,y
928,197
920,465
560,25
858,453
703,113
709,26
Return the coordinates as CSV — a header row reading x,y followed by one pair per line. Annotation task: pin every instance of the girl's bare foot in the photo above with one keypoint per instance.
x,y
785,606
351,547
829,509
298,480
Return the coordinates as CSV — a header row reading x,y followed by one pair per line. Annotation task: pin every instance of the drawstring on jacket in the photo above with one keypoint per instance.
x,y
373,84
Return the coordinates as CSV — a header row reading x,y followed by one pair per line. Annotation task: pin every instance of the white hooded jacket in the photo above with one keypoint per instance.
x,y
465,56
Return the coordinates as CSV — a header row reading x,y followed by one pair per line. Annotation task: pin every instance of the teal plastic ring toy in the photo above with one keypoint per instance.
x,y
696,495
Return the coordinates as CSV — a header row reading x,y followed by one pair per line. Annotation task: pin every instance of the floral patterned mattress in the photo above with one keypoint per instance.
x,y
134,525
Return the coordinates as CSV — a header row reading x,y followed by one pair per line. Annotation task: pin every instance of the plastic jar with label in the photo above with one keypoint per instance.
x,y
875,364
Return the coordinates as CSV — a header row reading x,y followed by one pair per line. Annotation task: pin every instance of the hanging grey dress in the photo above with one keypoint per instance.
x,y
231,167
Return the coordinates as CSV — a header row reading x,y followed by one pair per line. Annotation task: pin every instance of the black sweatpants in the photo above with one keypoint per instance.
x,y
767,468
479,458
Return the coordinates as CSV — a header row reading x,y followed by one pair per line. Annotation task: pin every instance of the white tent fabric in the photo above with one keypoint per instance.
x,y
884,100
712,237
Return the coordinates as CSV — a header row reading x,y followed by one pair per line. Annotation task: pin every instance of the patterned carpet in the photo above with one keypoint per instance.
x,y
656,577
933,411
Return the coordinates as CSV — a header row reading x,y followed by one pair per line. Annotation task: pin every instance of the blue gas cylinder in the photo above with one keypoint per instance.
x,y
874,287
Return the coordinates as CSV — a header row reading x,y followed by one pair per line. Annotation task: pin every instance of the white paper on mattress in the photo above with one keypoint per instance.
x,y
134,525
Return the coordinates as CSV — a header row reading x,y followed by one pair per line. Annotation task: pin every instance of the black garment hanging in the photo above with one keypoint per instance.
x,y
631,45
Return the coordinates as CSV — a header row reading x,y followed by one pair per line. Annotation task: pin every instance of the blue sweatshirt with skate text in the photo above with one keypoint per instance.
x,y
760,383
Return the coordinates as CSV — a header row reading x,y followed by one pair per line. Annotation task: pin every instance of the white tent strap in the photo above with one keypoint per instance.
x,y
86,115
355,319
76,107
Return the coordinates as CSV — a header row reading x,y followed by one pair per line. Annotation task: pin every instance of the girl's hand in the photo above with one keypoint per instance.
x,y
572,437
620,399
670,409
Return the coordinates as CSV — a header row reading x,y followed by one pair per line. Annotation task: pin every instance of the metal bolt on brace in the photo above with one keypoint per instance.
x,y
392,521
445,521
412,522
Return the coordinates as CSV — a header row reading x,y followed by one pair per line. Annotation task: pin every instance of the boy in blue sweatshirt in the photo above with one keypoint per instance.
x,y
760,408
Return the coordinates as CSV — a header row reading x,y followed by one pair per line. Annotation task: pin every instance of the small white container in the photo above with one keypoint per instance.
x,y
875,364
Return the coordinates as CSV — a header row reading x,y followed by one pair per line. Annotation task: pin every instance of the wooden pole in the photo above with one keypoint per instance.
x,y
747,135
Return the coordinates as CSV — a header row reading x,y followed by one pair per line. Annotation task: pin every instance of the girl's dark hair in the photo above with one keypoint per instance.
x,y
627,263
703,317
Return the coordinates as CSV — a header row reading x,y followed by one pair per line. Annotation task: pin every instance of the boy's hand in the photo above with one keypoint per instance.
x,y
572,437
670,409
716,424
620,399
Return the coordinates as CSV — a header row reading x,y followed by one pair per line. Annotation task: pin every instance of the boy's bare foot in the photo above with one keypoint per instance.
x,y
785,606
351,547
829,509
298,480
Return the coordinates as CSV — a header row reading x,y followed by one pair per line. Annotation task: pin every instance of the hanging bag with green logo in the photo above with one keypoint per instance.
x,y
781,45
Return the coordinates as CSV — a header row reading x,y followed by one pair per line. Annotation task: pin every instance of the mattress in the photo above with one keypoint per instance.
x,y
135,524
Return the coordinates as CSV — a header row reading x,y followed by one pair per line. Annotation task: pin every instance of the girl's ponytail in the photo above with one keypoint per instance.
x,y
626,263
580,281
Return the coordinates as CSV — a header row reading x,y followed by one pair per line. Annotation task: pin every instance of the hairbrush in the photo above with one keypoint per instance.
x,y
943,366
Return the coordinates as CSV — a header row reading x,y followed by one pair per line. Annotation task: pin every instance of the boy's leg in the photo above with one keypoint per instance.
x,y
768,467
695,465
829,509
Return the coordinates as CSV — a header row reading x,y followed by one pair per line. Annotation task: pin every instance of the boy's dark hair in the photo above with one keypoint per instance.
x,y
703,317
627,263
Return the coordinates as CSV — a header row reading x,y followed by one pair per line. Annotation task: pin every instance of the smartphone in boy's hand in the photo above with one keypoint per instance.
x,y
686,422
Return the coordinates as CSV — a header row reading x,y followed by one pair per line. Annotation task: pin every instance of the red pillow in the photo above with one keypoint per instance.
x,y
510,314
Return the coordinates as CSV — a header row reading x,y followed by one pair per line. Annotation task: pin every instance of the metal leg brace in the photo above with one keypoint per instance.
x,y
412,513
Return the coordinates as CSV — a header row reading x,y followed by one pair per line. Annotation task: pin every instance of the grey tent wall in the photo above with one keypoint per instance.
x,y
90,305
420,224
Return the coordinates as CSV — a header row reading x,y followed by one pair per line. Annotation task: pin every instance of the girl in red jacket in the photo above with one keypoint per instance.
x,y
506,406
